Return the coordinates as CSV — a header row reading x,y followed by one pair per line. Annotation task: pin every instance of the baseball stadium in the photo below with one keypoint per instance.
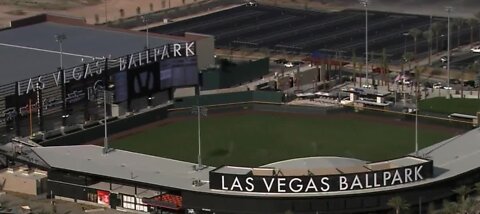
x,y
160,121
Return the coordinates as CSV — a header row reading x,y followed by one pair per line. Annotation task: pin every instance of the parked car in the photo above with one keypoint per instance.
x,y
444,59
280,61
367,86
380,70
476,49
295,63
447,87
437,85
251,4
288,64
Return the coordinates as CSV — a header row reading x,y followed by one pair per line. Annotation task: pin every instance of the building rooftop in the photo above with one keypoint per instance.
x,y
33,40
451,157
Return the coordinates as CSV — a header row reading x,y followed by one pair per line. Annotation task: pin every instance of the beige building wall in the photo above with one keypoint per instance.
x,y
21,180
205,48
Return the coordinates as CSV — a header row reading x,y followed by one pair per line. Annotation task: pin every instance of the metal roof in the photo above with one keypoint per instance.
x,y
123,165
451,157
22,63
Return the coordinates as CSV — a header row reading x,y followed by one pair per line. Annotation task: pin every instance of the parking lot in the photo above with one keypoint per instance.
x,y
304,31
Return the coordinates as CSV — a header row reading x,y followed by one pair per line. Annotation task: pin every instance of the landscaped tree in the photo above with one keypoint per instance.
x,y
398,204
415,33
436,29
428,35
472,23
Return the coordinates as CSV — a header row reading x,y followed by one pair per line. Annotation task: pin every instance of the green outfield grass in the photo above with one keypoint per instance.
x,y
448,106
257,139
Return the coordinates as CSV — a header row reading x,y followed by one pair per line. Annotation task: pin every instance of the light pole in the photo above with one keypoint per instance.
x,y
449,10
417,76
60,38
106,86
404,59
405,34
199,111
365,5
145,21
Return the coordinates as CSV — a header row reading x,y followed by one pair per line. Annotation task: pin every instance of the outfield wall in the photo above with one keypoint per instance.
x,y
248,101
114,127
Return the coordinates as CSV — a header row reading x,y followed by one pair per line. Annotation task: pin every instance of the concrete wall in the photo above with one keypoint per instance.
x,y
23,182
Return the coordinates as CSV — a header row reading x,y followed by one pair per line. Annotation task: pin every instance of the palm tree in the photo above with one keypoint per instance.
x,y
428,35
418,73
354,62
437,28
472,23
449,207
477,16
398,204
458,23
385,69
462,192
415,32
477,188
122,13
431,208
139,10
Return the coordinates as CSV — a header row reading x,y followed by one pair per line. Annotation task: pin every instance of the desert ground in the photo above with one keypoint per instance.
x,y
88,9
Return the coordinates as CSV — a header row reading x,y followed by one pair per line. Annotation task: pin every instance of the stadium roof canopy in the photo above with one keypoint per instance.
x,y
29,48
451,158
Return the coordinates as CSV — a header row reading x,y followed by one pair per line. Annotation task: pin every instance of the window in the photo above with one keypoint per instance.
x,y
142,208
128,202
129,199
128,205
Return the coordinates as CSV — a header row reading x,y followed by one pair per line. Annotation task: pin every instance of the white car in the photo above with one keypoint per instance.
x,y
251,4
476,49
288,64
447,87
437,86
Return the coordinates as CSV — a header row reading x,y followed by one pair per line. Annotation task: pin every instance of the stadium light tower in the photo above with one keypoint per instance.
x,y
449,10
145,21
60,38
199,111
106,86
365,5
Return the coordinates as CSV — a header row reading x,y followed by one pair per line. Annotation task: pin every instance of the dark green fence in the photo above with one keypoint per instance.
x,y
231,74
236,97
115,126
